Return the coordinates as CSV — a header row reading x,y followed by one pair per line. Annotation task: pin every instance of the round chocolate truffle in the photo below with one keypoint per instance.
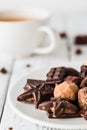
x,y
82,98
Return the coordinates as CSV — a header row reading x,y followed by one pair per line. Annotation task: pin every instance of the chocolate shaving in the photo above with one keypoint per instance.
x,y
3,70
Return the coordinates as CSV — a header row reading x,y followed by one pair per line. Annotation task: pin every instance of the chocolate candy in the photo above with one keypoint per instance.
x,y
81,40
59,108
83,72
3,71
37,95
72,72
63,35
32,83
74,79
56,75
27,96
83,83
82,98
78,51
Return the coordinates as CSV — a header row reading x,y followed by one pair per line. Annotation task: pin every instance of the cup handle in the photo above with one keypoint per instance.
x,y
50,48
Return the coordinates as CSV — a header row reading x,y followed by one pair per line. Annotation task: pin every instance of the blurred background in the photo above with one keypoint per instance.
x,y
68,16
58,8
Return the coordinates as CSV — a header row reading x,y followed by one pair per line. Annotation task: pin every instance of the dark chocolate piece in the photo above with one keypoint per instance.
x,y
46,106
28,65
81,40
32,83
63,35
46,92
74,79
37,95
83,72
3,70
59,108
83,83
78,51
56,74
27,96
72,72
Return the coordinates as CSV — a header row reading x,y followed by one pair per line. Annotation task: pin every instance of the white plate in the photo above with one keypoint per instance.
x,y
39,117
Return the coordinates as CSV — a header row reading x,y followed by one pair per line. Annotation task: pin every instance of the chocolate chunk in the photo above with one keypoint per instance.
x,y
27,96
37,95
56,74
46,106
63,35
49,106
72,72
58,108
78,51
45,93
3,70
74,79
32,83
28,65
83,72
81,40
66,106
31,96
83,83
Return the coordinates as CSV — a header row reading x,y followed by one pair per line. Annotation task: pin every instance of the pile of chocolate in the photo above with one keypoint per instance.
x,y
62,95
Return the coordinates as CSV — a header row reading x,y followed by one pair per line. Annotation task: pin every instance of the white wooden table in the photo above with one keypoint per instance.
x,y
16,68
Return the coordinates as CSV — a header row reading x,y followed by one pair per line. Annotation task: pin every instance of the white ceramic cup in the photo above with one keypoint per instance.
x,y
21,38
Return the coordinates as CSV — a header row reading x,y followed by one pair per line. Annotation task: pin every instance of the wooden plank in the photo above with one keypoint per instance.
x,y
4,79
19,69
